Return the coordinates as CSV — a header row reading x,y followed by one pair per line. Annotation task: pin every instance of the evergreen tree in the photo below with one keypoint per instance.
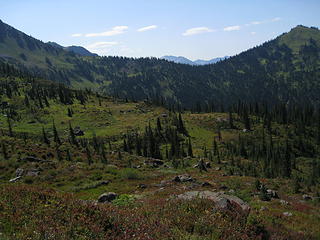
x,y
72,135
230,119
55,134
104,159
4,150
59,156
45,138
190,152
69,112
9,127
159,128
69,158
263,193
125,146
89,157
246,119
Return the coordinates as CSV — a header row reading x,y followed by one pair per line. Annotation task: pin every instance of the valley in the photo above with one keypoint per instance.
x,y
142,148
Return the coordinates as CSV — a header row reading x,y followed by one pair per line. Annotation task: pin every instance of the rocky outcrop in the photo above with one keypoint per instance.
x,y
107,197
152,162
183,178
221,200
77,131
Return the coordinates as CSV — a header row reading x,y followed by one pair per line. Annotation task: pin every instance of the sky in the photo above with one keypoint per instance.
x,y
196,29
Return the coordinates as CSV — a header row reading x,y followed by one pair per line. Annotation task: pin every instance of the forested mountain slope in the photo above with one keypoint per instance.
x,y
284,69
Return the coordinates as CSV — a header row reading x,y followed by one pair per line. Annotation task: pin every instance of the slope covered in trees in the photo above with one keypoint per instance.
x,y
284,69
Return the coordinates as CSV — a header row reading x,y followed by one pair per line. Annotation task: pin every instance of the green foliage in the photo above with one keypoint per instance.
x,y
130,174
124,200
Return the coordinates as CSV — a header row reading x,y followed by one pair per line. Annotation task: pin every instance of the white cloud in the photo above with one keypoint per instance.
x,y
114,31
276,19
147,28
256,23
99,45
197,30
102,48
253,33
232,28
76,35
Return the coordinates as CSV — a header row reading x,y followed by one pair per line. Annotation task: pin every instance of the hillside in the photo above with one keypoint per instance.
x,y
283,69
257,168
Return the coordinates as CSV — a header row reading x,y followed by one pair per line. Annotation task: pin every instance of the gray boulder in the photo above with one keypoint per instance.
x,y
14,179
287,214
272,193
306,197
222,201
77,131
19,172
183,178
107,197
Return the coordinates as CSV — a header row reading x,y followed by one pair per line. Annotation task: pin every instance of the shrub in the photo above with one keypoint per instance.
x,y
130,174
124,200
28,180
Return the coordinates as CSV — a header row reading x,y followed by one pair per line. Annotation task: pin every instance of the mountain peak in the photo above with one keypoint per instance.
x,y
184,60
298,36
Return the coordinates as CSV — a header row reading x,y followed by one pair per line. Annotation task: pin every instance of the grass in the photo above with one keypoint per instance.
x,y
64,183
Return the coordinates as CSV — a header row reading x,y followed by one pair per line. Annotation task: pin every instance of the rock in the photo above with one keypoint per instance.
x,y
183,178
19,172
272,193
263,208
142,186
32,172
206,184
287,214
306,197
107,197
231,191
223,187
222,201
102,183
217,168
208,165
154,162
284,202
14,179
77,131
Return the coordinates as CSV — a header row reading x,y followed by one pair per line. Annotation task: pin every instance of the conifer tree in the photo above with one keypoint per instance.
x,y
69,158
190,152
246,119
125,146
45,138
69,112
4,150
159,128
104,159
230,119
9,127
72,135
89,157
55,134
59,157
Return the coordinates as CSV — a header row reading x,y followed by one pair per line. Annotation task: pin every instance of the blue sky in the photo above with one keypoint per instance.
x,y
197,29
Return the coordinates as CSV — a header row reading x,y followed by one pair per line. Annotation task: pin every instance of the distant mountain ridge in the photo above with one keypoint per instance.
x,y
185,60
76,49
